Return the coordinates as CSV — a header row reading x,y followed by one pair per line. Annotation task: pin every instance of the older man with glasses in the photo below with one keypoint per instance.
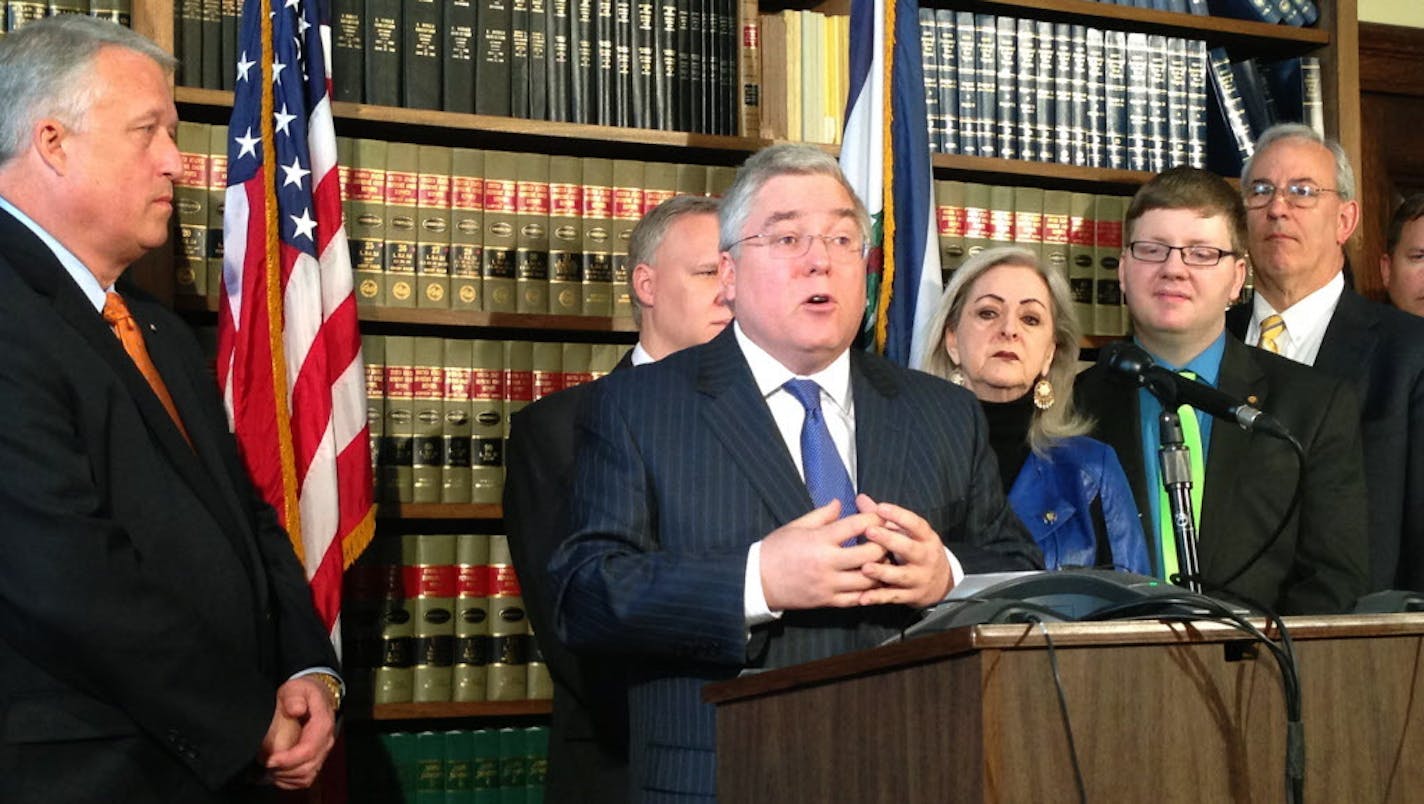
x,y
1299,191
1182,264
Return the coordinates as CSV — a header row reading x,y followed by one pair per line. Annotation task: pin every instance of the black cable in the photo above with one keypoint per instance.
x,y
1063,708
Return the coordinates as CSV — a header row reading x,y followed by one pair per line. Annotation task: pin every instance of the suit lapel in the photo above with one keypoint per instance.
x,y
738,417
1228,457
1350,337
881,439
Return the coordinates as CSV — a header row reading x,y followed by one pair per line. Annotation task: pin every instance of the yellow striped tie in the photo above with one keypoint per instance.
x,y
1272,328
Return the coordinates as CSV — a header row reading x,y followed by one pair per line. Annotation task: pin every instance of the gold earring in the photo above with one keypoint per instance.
x,y
957,377
1043,398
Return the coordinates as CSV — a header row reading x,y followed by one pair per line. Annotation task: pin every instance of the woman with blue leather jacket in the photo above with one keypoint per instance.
x,y
1005,330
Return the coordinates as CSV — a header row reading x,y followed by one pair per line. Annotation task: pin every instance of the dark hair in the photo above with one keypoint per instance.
x,y
1194,189
1411,210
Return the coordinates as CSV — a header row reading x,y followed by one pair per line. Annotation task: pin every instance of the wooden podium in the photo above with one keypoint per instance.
x,y
1160,712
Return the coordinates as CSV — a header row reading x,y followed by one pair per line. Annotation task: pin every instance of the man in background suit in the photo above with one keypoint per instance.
x,y
1301,209
696,550
677,303
1182,264
1402,263
157,636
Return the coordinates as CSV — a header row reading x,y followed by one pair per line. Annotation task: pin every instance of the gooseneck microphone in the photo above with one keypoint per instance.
x,y
1172,389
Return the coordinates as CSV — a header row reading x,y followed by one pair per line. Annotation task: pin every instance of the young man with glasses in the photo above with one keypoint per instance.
x,y
1299,191
735,503
1182,264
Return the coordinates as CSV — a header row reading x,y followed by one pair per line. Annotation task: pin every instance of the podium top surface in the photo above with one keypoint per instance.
x,y
959,641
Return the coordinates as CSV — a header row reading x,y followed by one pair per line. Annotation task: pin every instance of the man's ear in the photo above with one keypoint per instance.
x,y
1347,221
727,276
47,139
644,284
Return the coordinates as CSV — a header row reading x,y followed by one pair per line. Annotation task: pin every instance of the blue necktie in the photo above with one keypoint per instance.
x,y
826,476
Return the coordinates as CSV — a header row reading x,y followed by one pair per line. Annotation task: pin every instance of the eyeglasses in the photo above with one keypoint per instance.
x,y
1195,256
1301,195
792,245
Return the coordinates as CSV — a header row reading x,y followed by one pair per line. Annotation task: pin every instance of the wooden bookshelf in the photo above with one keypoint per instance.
x,y
445,710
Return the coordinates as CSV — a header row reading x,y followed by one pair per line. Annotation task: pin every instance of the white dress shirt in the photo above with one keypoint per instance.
x,y
1306,321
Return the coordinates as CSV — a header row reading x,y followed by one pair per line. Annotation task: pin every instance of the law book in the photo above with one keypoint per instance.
x,y
428,562
1115,128
729,104
1196,102
1082,234
491,375
1308,10
211,14
1232,143
348,50
597,217
748,48
401,752
1045,91
929,64
627,211
472,640
427,407
398,449
558,53
230,23
623,70
531,253
1078,102
1006,87
949,219
1025,129
1064,131
665,97
116,11
392,679
1109,312
217,203
583,55
460,767
455,422
1095,104
513,767
946,80
1267,11
659,184
509,627
565,235
536,752
402,215
547,361
1057,205
1157,117
719,180
796,125
501,221
986,81
1178,103
492,58
1255,96
1313,103
1139,85
967,69
642,55
188,37
487,766
1001,215
1028,219
540,685
604,358
812,47
518,384
383,37
457,47
976,218
429,768
575,364
538,60
467,214
605,80
772,30
432,251
190,197
519,58
373,356
364,192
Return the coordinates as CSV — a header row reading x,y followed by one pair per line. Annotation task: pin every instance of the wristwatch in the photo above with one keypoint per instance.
x,y
333,686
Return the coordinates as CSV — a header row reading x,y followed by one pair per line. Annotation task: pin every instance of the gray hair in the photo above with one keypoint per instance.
x,y
1344,173
647,236
43,72
787,159
1063,419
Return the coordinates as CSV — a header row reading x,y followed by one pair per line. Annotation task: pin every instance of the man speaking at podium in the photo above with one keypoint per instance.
x,y
734,504
157,636
1182,264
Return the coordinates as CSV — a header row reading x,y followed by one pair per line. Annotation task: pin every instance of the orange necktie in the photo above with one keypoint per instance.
x,y
117,314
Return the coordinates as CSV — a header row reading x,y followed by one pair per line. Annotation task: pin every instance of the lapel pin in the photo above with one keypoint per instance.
x,y
1251,400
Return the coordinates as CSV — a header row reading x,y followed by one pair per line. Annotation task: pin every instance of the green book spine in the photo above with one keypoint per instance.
x,y
458,74
1001,215
1109,313
691,179
117,11
719,180
565,235
604,357
548,362
531,255
373,355
597,237
420,54
401,752
392,680
583,53
513,765
217,202
509,627
627,211
467,217
659,184
604,85
432,252
536,758
430,768
428,397
383,52
492,57
976,218
430,582
365,194
398,450
949,214
576,365
348,50
190,196
501,216
230,23
518,390
210,12
472,637
1056,205
455,475
459,767
490,380
1082,227
402,189
486,765
1028,219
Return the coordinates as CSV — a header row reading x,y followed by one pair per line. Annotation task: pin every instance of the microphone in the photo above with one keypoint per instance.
x,y
1172,389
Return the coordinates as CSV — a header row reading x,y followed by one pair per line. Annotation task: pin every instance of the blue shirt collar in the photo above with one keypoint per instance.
x,y
1207,365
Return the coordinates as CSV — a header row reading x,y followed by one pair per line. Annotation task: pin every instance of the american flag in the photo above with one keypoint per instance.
x,y
289,350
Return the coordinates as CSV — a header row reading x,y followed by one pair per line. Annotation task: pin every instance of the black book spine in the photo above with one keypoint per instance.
x,y
1078,102
1115,100
1007,86
189,35
383,52
623,62
1157,130
420,51
986,38
665,72
686,100
644,62
730,84
1044,96
458,73
1063,93
230,24
558,66
1095,88
968,70
929,64
1137,91
519,58
348,50
604,85
1177,102
948,79
538,60
211,14
583,55
492,58
1196,102
1027,111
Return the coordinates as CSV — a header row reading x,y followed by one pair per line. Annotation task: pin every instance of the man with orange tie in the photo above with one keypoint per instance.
x,y
157,637
1182,263
1301,210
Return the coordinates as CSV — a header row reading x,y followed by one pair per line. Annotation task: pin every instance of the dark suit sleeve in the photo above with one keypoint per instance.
x,y
1411,549
993,538
616,590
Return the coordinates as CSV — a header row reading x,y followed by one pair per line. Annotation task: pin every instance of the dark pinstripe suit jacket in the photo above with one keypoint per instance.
x,y
680,469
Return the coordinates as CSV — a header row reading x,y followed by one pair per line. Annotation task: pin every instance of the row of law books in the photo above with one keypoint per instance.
x,y
14,14
1254,94
1079,234
1041,91
439,409
471,766
805,75
435,618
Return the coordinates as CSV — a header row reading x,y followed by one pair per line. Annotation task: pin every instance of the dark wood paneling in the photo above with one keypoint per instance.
x,y
1392,127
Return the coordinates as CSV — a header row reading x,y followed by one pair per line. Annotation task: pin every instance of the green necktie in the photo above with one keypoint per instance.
x,y
1191,436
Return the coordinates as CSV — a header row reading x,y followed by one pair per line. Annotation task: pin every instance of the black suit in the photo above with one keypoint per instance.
x,y
151,603
1379,351
1318,565
680,469
588,735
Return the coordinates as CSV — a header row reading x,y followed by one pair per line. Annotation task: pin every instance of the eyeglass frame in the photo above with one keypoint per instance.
x,y
1182,250
1305,200
805,237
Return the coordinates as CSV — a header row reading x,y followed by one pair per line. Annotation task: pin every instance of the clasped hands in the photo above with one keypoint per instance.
x,y
804,566
302,733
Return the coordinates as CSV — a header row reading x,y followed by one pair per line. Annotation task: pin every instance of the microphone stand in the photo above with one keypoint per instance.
x,y
1175,460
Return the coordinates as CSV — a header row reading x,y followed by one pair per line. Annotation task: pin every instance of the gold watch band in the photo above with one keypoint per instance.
x,y
333,687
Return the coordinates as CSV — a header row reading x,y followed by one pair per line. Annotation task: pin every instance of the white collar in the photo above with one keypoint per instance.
x,y
770,374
